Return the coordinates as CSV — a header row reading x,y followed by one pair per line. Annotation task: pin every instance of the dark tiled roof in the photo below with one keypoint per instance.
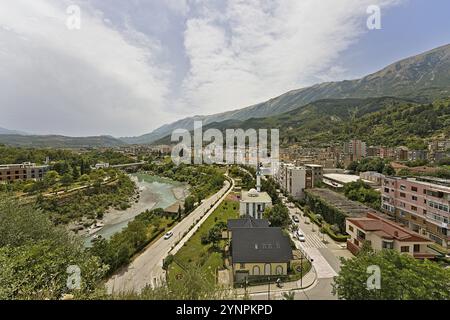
x,y
247,223
260,245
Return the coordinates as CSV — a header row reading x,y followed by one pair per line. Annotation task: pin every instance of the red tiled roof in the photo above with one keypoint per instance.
x,y
386,229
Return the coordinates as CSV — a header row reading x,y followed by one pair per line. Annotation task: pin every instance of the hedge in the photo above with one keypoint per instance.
x,y
326,227
329,213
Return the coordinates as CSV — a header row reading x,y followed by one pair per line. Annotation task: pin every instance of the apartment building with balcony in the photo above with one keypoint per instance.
x,y
21,172
381,234
421,204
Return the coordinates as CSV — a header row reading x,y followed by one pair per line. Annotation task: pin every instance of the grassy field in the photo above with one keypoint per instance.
x,y
204,256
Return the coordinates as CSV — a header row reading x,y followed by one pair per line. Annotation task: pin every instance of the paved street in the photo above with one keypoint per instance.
x,y
146,269
325,253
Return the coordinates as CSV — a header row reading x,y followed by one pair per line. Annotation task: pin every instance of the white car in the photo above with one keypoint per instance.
x,y
300,236
168,235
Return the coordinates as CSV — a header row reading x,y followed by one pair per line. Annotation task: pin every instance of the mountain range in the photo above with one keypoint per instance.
x,y
7,131
419,79
423,78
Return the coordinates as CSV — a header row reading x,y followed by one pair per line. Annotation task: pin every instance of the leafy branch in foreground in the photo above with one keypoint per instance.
x,y
402,278
35,256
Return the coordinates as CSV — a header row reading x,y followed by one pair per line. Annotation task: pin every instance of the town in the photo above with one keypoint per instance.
x,y
254,234
224,158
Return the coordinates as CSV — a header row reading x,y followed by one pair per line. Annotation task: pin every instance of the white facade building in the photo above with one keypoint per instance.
x,y
253,203
294,180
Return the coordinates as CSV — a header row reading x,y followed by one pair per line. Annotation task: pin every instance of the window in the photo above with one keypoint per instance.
x,y
279,270
268,269
350,228
402,194
413,208
404,249
414,198
242,265
361,235
387,245
402,187
417,248
414,189
256,271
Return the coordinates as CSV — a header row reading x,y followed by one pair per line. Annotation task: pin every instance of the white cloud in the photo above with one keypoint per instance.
x,y
136,65
257,49
90,81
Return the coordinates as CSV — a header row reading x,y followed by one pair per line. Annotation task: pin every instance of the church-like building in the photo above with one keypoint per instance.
x,y
254,202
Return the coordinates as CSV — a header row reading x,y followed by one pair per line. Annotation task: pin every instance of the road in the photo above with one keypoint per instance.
x,y
146,269
325,253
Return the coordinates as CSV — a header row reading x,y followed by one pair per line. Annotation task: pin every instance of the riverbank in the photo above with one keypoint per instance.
x,y
153,192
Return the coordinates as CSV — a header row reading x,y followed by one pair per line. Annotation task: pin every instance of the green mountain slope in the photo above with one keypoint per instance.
x,y
387,121
423,78
55,141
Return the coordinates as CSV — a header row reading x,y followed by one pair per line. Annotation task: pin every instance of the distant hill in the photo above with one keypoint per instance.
x,y
55,141
386,121
7,131
422,78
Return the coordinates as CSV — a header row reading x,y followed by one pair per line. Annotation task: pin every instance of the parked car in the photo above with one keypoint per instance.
x,y
295,219
300,236
168,235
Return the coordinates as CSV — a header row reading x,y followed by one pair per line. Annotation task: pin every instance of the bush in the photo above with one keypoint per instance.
x,y
167,262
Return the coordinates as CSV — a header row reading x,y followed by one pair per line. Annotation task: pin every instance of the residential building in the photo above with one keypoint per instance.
x,y
317,172
414,155
23,171
258,251
355,149
375,177
421,204
387,153
294,180
381,233
401,153
373,152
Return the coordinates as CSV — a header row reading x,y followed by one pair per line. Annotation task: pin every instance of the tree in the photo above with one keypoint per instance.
x,y
214,234
278,216
189,204
388,170
66,179
353,166
50,178
35,256
402,277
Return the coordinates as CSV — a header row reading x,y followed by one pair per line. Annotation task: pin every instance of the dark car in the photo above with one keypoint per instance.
x,y
295,219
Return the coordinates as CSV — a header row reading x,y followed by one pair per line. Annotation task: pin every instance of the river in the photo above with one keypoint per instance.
x,y
155,192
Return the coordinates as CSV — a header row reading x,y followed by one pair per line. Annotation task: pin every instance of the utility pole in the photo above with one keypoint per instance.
x,y
301,270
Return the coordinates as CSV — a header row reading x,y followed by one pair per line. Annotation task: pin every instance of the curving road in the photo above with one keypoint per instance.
x,y
146,269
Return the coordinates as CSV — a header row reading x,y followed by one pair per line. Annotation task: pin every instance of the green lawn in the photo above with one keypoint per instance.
x,y
194,252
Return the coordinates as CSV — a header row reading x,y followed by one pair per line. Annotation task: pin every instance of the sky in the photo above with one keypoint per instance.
x,y
124,68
